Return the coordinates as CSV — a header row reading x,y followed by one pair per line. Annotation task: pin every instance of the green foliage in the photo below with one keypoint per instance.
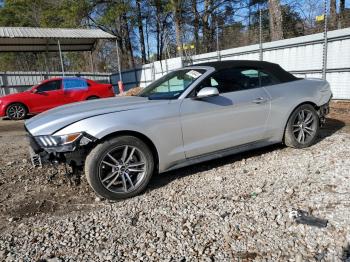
x,y
291,22
165,24
44,13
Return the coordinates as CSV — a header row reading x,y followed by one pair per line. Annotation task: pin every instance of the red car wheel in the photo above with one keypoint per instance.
x,y
16,111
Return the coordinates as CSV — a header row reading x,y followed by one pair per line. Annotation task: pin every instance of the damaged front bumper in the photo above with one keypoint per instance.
x,y
42,151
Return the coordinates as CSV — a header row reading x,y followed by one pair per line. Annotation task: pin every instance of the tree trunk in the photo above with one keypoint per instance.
x,y
158,38
147,41
176,5
206,27
195,25
333,15
128,45
276,20
140,27
342,6
342,14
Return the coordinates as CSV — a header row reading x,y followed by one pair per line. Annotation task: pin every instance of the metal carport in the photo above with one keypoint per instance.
x,y
30,39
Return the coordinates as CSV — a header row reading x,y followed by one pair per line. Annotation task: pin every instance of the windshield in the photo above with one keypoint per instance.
x,y
172,85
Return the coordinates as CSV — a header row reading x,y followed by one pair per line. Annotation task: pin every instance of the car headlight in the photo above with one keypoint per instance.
x,y
54,141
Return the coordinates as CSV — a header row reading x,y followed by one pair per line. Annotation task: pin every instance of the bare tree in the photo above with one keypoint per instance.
x,y
333,15
140,27
159,21
342,13
127,41
276,20
177,12
195,24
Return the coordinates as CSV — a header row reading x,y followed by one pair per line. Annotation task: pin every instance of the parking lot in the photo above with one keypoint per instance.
x,y
235,208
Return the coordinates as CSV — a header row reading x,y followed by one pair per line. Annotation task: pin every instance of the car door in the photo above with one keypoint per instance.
x,y
236,117
47,95
75,89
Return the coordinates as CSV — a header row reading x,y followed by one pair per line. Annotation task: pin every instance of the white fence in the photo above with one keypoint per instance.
x,y
302,56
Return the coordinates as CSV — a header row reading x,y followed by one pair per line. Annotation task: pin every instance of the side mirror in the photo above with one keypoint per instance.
x,y
36,91
207,92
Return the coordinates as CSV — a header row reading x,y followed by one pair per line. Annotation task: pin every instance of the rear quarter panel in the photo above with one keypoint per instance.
x,y
101,90
287,96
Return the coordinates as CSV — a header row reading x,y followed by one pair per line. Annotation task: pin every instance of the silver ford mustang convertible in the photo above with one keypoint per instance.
x,y
190,115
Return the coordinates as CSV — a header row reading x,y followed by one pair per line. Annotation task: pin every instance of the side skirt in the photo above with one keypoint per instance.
x,y
220,154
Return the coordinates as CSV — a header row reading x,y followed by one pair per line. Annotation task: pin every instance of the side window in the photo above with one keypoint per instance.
x,y
74,84
251,77
268,79
50,86
236,79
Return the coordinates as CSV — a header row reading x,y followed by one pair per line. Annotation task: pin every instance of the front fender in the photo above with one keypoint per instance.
x,y
162,127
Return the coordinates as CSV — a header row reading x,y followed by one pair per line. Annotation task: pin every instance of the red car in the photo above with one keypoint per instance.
x,y
52,93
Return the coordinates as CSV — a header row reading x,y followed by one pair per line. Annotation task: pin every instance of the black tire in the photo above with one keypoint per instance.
x,y
92,98
16,111
304,119
98,168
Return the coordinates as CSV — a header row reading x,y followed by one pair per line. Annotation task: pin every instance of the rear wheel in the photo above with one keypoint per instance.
x,y
302,127
119,168
16,111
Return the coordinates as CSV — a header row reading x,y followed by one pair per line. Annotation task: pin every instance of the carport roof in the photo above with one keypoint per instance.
x,y
31,39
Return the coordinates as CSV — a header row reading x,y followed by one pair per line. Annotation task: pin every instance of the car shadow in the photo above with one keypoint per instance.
x,y
160,180
332,126
5,118
218,100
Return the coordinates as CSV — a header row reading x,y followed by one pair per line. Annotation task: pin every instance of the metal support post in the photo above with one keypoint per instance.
x,y
260,36
118,58
217,41
92,62
325,42
61,57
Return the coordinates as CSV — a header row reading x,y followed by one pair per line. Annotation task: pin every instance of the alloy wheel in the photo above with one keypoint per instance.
x,y
16,112
304,126
122,169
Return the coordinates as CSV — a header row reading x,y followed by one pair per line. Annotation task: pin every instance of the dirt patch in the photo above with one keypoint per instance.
x,y
26,191
9,127
340,110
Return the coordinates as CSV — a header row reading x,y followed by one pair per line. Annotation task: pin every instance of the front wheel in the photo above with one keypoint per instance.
x,y
302,127
119,168
16,111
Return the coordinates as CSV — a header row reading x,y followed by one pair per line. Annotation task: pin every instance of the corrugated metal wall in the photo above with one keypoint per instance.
x,y
302,56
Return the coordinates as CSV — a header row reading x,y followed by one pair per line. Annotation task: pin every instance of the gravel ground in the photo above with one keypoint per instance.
x,y
231,209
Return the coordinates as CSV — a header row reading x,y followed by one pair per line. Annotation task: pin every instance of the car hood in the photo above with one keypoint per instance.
x,y
55,119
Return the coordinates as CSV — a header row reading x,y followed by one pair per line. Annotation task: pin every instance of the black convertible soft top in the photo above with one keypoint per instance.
x,y
274,69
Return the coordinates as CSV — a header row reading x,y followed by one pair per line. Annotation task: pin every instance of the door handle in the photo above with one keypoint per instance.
x,y
259,100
